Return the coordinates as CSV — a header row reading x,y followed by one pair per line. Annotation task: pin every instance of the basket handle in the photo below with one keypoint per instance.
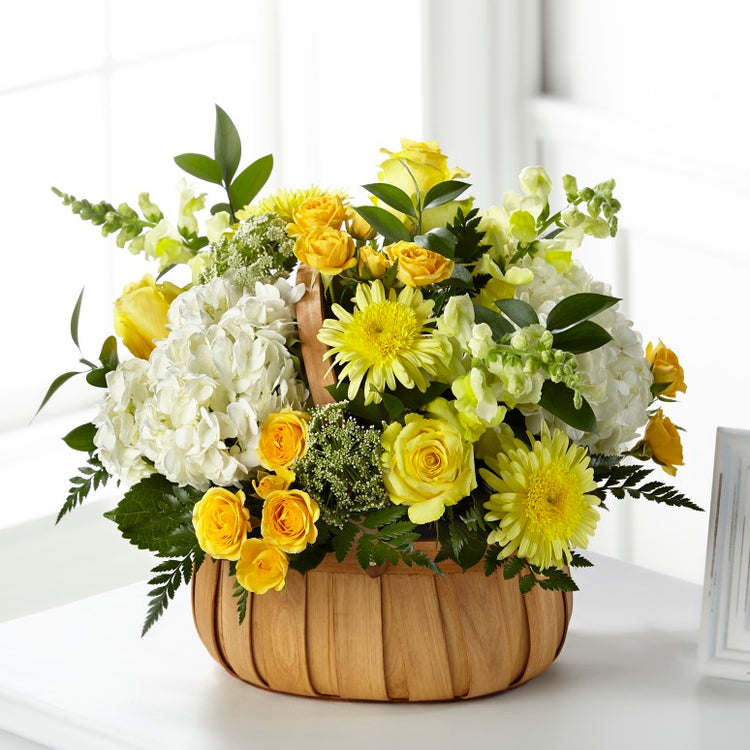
x,y
309,312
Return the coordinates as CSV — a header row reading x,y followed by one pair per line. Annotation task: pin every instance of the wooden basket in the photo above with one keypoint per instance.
x,y
398,634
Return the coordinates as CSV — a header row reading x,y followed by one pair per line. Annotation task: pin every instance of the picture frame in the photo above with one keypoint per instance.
x,y
724,643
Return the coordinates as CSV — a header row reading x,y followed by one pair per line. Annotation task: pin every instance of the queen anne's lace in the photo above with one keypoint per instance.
x,y
617,378
197,404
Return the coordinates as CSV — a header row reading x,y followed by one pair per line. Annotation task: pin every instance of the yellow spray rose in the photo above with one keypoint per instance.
x,y
418,266
426,462
328,250
269,483
322,211
666,369
358,227
664,440
283,439
372,262
222,522
288,520
262,566
141,314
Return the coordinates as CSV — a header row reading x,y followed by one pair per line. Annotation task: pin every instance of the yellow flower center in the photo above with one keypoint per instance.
x,y
553,500
382,331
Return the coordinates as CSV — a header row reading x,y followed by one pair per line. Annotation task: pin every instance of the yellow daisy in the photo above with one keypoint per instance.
x,y
541,502
384,340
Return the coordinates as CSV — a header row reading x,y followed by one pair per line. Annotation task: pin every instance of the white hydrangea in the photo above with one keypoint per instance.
x,y
617,378
210,384
117,435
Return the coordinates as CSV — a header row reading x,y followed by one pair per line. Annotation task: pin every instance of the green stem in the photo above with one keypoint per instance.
x,y
417,193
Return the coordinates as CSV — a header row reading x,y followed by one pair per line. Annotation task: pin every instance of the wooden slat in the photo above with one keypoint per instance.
x,y
359,637
321,638
309,312
546,615
205,590
233,638
568,605
455,640
278,637
515,615
413,628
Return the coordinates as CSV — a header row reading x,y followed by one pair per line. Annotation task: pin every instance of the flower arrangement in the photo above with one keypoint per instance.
x,y
487,393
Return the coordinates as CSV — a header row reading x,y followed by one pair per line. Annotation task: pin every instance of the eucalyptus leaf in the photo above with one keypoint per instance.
x,y
439,240
444,192
201,166
81,438
385,223
250,181
56,383
74,321
558,399
520,312
393,196
499,325
227,147
581,338
577,308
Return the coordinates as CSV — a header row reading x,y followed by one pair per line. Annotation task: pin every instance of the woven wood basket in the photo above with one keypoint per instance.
x,y
393,634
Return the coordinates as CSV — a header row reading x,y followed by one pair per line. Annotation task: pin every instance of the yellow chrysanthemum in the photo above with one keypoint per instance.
x,y
541,502
384,340
285,202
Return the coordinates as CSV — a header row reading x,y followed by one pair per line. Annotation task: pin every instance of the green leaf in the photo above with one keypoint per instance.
x,y
392,196
499,325
74,321
342,542
108,355
581,338
385,223
512,567
157,515
577,308
444,192
520,312
579,561
81,438
97,377
309,558
527,582
170,575
439,240
383,517
393,405
558,399
556,580
220,207
364,551
201,166
91,476
227,147
240,594
250,181
56,383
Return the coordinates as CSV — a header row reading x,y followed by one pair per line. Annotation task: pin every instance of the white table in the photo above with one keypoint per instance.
x,y
79,676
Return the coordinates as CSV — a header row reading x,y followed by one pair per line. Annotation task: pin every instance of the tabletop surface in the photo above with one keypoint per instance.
x,y
79,676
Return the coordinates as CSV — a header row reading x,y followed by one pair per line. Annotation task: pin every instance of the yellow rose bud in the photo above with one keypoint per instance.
x,y
664,440
222,523
323,211
372,263
418,266
262,566
283,439
270,483
288,520
358,227
427,464
328,250
141,314
666,369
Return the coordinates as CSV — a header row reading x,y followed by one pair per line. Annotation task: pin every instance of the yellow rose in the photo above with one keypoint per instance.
x,y
666,369
283,439
358,227
262,566
427,464
664,440
288,520
328,250
141,314
418,266
372,262
222,522
323,211
270,483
